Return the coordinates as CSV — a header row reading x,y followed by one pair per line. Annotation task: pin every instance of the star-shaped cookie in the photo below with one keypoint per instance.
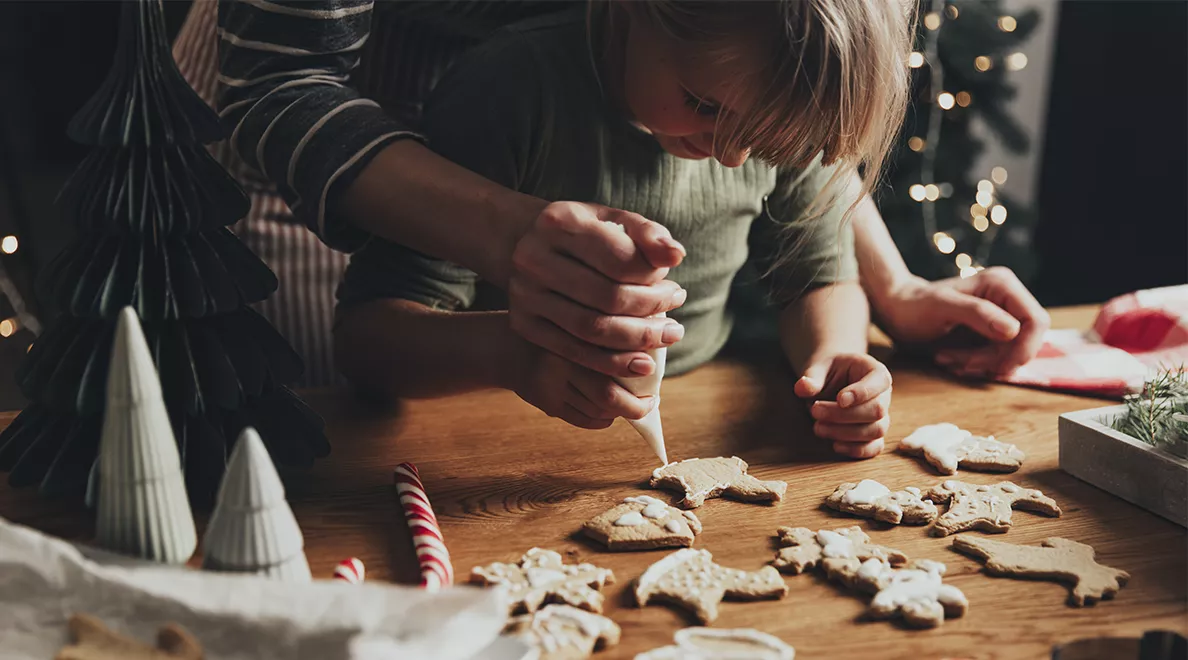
x,y
804,549
542,577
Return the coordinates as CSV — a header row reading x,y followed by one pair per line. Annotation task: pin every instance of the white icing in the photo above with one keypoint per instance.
x,y
665,566
630,519
1008,487
938,440
950,484
872,568
672,526
913,490
866,492
542,577
915,585
646,500
834,544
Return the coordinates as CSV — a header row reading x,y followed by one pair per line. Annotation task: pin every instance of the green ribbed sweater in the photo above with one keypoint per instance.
x,y
526,109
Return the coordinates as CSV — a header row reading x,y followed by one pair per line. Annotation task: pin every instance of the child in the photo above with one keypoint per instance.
x,y
718,120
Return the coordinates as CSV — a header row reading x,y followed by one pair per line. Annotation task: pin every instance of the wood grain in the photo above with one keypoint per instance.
x,y
504,478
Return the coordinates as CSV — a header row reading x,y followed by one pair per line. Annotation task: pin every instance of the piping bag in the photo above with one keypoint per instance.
x,y
649,425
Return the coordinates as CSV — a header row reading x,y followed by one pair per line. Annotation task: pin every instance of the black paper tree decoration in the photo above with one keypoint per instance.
x,y
151,209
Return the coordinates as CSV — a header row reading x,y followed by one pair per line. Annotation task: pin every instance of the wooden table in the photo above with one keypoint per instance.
x,y
504,478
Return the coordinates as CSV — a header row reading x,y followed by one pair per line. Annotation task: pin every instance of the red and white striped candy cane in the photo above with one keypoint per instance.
x,y
350,570
434,558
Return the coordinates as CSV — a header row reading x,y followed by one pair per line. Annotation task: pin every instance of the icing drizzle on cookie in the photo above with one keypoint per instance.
x,y
866,492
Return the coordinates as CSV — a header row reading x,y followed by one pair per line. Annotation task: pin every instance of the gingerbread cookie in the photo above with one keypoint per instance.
x,y
643,523
732,644
985,508
95,641
542,577
1056,559
945,446
701,478
871,499
563,632
804,549
915,592
689,578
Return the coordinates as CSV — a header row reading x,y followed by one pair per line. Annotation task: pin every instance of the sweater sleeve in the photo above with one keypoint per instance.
x,y
284,94
803,239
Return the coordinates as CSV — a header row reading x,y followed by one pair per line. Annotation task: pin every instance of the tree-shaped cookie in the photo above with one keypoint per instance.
x,y
946,447
642,523
691,580
542,577
702,478
914,592
871,499
1056,559
985,508
563,632
738,643
804,549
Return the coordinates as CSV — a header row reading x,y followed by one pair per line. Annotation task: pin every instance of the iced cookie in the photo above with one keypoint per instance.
x,y
804,549
701,478
541,577
95,641
563,632
915,592
690,579
985,508
729,644
643,523
945,446
871,499
1055,559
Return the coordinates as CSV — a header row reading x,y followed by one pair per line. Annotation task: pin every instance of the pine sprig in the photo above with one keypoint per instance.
x,y
1158,415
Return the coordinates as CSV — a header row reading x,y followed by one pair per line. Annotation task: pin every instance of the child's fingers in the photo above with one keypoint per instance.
x,y
863,413
852,432
812,382
581,420
610,397
859,450
874,380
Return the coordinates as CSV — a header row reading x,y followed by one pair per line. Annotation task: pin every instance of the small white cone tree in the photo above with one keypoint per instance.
x,y
143,509
252,529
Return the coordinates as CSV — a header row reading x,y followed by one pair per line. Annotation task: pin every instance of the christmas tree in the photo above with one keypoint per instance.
x,y
151,210
943,215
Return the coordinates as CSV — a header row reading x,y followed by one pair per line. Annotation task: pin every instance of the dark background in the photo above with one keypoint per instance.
x,y
1113,196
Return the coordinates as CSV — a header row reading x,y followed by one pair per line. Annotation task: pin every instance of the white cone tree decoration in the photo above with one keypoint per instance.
x,y
252,529
143,509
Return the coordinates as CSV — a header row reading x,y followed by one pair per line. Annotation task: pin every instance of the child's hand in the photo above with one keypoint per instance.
x,y
853,402
582,397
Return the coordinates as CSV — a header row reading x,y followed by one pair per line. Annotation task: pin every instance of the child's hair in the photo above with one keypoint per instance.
x,y
837,73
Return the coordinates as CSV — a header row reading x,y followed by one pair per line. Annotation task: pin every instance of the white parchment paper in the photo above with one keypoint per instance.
x,y
43,581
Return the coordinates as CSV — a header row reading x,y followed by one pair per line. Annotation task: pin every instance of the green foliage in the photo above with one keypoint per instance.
x,y
1159,414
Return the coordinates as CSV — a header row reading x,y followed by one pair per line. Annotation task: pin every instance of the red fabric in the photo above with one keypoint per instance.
x,y
1133,336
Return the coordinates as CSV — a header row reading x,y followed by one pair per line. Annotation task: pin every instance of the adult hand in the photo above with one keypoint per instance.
x,y
853,401
583,288
992,303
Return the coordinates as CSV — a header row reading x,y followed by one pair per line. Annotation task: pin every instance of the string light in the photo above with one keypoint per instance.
x,y
963,260
944,242
946,190
945,100
980,223
9,244
998,214
964,99
1007,23
916,143
932,192
983,63
7,327
984,199
916,60
985,186
951,10
999,174
1016,61
977,209
932,21
917,192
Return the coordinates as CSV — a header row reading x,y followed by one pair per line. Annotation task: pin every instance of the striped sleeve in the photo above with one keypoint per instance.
x,y
284,94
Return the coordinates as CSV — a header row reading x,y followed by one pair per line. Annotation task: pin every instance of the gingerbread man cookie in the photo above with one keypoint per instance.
x,y
542,577
643,523
915,592
945,447
702,478
985,508
871,499
563,632
1056,559
95,641
804,549
732,644
690,579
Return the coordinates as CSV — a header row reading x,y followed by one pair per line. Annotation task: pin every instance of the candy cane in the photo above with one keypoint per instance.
x,y
350,570
434,558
